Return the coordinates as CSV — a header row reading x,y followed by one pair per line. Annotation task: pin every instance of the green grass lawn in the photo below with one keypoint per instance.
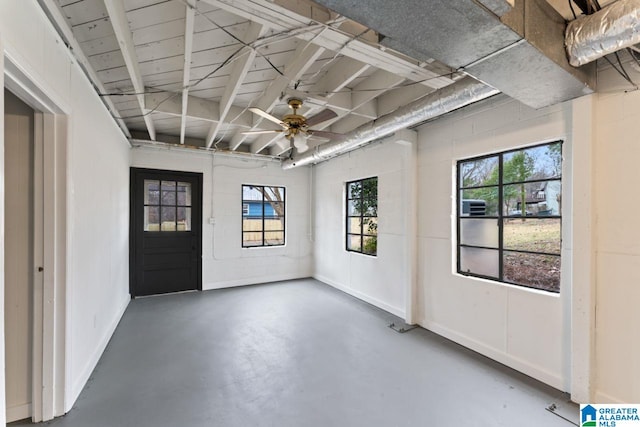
x,y
536,235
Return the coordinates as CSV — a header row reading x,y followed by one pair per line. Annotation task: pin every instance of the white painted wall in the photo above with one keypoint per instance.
x,y
224,262
617,205
379,280
97,190
522,328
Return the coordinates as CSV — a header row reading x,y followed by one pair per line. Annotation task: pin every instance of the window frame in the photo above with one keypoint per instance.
x,y
501,216
160,205
262,216
361,216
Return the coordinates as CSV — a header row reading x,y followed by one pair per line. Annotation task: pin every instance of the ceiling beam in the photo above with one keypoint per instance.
x,y
118,18
52,9
366,92
283,19
197,108
237,76
303,57
186,70
341,73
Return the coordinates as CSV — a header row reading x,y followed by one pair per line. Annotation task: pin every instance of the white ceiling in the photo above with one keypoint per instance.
x,y
187,70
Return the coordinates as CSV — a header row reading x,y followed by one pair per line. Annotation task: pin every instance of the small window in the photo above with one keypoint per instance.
x,y
362,216
167,206
263,214
510,215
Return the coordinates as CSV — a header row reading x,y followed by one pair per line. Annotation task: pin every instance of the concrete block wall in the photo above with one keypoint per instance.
x,y
224,262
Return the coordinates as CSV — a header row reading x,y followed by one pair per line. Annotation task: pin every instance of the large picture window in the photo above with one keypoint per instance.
x,y
509,216
263,211
362,216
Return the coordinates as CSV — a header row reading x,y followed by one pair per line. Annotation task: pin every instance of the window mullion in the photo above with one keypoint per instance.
x,y
500,218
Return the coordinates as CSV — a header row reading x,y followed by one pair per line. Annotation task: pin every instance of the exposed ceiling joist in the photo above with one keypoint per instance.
x,y
304,56
118,18
188,47
236,78
366,92
198,109
56,15
283,19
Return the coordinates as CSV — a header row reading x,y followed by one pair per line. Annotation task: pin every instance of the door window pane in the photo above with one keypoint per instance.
x,y
184,194
151,192
167,206
184,219
168,218
151,218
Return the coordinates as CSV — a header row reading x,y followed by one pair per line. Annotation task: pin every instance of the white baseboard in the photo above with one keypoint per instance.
x,y
364,297
19,412
82,379
500,356
252,281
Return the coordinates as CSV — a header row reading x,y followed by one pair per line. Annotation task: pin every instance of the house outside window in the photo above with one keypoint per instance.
x,y
509,216
362,216
263,216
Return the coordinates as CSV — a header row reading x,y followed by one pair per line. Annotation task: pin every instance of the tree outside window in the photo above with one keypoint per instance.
x,y
509,216
362,216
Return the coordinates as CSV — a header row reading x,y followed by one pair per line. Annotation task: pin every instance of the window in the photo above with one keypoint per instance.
x,y
509,216
362,216
167,205
263,211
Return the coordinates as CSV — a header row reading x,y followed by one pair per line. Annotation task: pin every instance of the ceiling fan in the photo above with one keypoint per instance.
x,y
296,127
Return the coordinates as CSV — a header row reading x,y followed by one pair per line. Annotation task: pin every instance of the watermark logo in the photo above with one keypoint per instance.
x,y
609,415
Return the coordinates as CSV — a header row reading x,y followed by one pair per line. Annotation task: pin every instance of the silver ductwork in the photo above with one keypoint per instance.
x,y
615,27
457,95
521,52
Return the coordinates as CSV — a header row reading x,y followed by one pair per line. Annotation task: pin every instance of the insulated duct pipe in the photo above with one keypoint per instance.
x,y
457,95
615,27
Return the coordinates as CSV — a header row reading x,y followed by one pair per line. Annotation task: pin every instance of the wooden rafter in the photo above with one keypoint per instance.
x,y
118,18
53,11
304,56
283,19
238,73
188,47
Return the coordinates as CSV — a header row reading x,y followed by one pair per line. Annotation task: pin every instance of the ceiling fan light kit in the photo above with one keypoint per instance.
x,y
296,127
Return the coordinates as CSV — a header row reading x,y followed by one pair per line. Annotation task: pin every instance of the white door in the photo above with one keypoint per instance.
x,y
18,262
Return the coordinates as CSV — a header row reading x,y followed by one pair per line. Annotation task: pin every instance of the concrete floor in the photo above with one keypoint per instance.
x,y
295,353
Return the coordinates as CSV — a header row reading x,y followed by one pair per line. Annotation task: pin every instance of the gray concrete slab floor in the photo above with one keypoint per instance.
x,y
296,353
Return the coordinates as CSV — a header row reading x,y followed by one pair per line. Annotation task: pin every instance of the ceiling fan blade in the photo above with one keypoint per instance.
x,y
266,115
325,134
322,116
259,132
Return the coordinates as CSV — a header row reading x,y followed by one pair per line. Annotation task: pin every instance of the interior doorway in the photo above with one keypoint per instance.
x,y
20,249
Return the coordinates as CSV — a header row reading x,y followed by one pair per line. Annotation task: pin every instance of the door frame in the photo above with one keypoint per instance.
x,y
134,173
50,371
